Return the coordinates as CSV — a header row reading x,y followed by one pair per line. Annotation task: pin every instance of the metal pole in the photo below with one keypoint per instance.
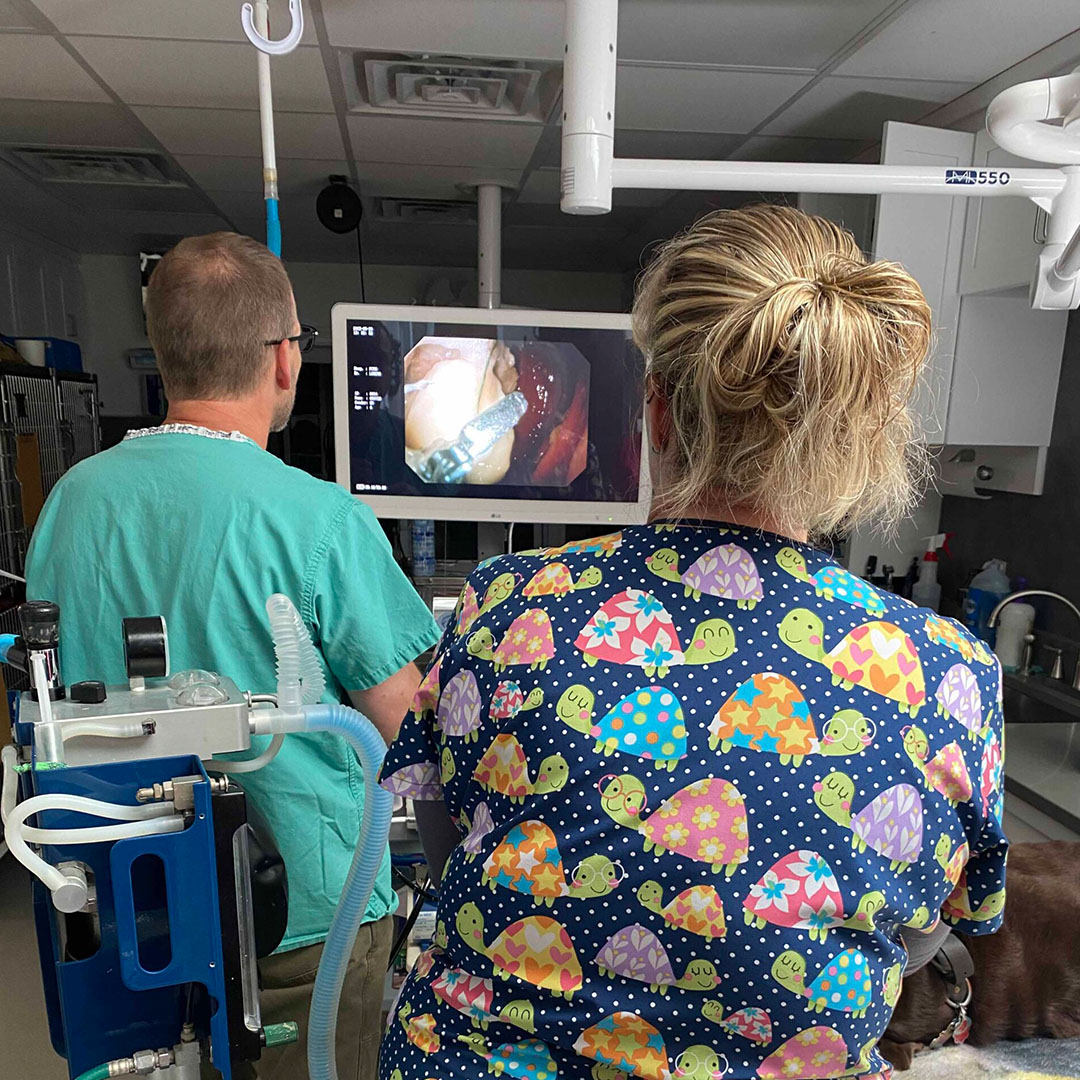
x,y
266,121
489,246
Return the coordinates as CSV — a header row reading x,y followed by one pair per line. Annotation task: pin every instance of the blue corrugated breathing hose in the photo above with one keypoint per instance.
x,y
378,806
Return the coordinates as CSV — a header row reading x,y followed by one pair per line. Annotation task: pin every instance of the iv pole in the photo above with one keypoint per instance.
x,y
255,21
1016,120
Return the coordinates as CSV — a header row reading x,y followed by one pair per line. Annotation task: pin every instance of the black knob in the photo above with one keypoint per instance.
x,y
90,692
40,624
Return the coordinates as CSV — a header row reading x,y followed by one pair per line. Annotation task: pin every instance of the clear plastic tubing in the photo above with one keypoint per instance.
x,y
374,830
103,834
50,876
299,673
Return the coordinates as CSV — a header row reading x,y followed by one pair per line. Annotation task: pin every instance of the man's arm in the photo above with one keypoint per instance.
x,y
386,703
438,835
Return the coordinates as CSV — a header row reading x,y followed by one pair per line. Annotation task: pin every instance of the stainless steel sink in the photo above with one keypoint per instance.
x,y
1038,699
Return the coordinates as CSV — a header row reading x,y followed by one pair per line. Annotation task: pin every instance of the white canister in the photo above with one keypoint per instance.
x,y
1014,624
32,350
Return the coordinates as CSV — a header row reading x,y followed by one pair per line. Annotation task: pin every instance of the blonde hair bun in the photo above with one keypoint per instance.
x,y
788,363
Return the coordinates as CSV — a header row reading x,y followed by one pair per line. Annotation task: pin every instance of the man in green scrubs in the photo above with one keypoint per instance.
x,y
196,521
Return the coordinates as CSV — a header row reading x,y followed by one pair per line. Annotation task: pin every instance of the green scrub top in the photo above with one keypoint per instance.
x,y
202,527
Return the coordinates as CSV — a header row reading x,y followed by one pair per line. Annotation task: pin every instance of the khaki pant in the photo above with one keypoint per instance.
x,y
288,979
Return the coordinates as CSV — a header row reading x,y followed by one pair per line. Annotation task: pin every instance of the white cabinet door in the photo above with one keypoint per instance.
x,y
71,280
52,280
7,296
1000,249
1005,378
27,267
925,233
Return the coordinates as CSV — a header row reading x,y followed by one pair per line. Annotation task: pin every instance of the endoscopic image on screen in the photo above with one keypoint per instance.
x,y
494,412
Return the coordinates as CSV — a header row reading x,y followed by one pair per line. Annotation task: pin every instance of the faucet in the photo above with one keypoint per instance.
x,y
992,621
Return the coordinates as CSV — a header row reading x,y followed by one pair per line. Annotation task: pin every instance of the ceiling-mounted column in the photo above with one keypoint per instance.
x,y
489,245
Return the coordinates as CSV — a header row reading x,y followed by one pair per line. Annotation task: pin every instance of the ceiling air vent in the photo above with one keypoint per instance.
x,y
394,83
426,211
75,166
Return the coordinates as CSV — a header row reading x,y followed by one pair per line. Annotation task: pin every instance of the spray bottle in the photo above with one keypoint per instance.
x,y
988,588
926,592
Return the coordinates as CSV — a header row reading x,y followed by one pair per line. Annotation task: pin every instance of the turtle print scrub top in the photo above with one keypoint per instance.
x,y
702,776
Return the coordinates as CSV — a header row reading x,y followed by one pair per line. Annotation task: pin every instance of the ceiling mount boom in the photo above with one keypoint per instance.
x,y
1016,120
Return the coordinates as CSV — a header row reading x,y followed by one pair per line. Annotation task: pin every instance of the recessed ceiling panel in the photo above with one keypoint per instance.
x,y
69,123
777,148
420,142
955,40
38,67
698,99
194,20
526,29
849,108
430,181
236,133
11,18
691,145
295,175
203,74
750,33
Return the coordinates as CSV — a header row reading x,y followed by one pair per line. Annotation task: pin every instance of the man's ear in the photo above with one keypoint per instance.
x,y
284,378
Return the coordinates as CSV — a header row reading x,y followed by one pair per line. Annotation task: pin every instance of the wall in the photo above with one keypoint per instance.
x,y
1036,534
114,322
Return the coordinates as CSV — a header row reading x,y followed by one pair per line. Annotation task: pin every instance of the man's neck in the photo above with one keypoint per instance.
x,y
221,416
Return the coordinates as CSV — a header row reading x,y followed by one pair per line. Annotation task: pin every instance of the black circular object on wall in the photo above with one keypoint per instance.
x,y
338,207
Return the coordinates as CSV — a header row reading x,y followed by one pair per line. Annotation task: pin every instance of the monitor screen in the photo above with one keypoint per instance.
x,y
490,415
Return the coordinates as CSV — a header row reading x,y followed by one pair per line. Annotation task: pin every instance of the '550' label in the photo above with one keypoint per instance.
x,y
976,176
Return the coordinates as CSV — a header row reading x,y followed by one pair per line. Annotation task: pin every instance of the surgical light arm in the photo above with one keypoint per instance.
x,y
1020,119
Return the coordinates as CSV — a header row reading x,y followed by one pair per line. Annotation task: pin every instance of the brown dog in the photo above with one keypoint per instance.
x,y
1027,976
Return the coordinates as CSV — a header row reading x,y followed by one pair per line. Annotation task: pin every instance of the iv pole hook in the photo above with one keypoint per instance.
x,y
264,44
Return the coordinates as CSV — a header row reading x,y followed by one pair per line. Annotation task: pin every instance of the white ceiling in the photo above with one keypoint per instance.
x,y
802,80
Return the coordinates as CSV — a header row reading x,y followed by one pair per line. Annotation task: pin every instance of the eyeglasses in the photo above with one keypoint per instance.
x,y
304,340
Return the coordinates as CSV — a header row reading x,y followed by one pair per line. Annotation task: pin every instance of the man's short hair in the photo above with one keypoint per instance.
x,y
212,303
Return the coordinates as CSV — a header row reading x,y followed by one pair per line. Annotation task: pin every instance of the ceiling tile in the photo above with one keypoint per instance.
x,y
693,145
11,18
430,181
947,40
195,20
777,148
477,28
850,108
69,123
204,74
698,99
295,176
38,67
749,33
232,133
470,143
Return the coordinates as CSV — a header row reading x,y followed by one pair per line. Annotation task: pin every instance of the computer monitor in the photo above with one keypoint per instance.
x,y
489,415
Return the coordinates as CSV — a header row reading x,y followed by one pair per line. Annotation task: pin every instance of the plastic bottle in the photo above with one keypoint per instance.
x,y
423,548
926,592
988,588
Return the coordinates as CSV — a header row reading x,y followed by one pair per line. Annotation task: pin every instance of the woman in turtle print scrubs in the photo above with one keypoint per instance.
x,y
701,775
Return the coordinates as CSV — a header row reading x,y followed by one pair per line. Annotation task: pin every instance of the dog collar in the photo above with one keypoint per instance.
x,y
955,965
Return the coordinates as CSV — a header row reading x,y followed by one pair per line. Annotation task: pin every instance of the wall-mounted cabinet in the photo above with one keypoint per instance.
x,y
992,379
40,288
